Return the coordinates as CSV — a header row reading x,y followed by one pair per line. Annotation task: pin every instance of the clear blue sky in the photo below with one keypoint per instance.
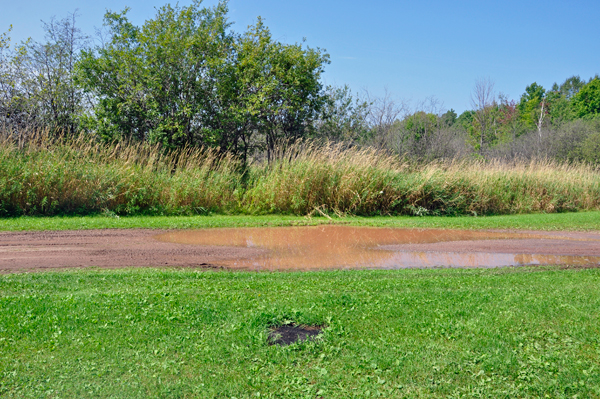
x,y
414,48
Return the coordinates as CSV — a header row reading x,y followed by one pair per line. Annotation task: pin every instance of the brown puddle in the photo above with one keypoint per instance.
x,y
345,247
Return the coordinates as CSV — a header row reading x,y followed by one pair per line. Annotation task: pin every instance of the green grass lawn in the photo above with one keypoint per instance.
x,y
514,332
552,221
147,333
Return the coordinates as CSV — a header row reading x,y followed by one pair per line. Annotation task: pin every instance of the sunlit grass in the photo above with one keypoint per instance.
x,y
549,221
522,332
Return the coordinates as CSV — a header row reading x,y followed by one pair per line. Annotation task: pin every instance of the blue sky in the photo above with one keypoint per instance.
x,y
415,49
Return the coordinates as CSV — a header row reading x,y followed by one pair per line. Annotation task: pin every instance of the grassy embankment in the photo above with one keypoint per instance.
x,y
81,177
526,332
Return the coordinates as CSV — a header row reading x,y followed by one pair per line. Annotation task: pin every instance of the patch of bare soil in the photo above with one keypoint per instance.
x,y
36,251
287,335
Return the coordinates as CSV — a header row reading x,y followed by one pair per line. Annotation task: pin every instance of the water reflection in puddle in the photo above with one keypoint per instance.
x,y
345,247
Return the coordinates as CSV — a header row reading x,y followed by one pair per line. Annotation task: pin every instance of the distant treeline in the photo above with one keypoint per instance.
x,y
562,123
184,78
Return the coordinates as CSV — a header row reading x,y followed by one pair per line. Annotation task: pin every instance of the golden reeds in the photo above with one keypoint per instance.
x,y
80,175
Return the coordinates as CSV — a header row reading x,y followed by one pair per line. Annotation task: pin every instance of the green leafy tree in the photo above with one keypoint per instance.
x,y
559,107
449,118
156,82
530,105
421,125
558,100
280,83
343,117
465,120
571,86
184,79
586,103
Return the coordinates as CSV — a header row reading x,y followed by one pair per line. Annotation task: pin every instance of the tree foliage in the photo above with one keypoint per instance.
x,y
156,82
185,78
530,104
343,117
37,79
586,103
279,85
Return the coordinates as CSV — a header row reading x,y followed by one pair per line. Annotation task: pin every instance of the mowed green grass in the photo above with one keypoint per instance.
x,y
552,221
515,332
147,333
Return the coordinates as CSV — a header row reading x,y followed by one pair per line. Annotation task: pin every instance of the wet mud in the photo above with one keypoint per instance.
x,y
294,248
345,247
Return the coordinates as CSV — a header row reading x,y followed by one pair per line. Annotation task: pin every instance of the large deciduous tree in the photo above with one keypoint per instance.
x,y
279,86
156,82
343,116
185,78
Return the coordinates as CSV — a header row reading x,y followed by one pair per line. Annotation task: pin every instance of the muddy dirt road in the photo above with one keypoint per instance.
x,y
293,248
36,251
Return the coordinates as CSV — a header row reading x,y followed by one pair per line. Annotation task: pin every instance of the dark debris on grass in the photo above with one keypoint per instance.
x,y
289,334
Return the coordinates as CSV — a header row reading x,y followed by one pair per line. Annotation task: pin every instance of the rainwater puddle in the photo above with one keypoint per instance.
x,y
345,247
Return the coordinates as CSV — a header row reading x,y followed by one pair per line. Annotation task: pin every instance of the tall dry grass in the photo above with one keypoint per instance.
x,y
55,176
332,177
364,181
478,187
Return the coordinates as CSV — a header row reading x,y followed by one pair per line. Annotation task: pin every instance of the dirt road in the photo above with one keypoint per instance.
x,y
48,250
36,251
